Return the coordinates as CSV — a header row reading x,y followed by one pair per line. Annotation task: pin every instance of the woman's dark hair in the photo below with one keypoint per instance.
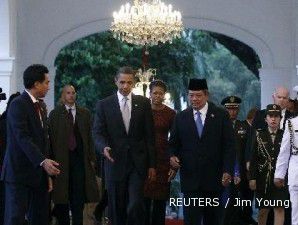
x,y
34,73
157,83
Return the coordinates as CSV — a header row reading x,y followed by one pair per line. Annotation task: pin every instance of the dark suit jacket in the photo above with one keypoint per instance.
x,y
27,143
257,171
259,123
203,160
59,130
138,144
242,131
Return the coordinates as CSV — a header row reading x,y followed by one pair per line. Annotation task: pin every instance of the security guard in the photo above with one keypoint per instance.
x,y
287,163
232,105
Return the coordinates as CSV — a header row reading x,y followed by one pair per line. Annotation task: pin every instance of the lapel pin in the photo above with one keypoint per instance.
x,y
136,105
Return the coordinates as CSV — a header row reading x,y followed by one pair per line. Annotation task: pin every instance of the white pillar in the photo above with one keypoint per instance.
x,y
6,68
272,78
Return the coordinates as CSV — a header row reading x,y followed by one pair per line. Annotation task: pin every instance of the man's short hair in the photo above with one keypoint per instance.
x,y
125,70
34,73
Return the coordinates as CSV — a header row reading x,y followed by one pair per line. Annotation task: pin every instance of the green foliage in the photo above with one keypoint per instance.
x,y
91,63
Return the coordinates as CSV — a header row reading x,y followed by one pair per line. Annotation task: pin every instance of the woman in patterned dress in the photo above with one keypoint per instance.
x,y
157,192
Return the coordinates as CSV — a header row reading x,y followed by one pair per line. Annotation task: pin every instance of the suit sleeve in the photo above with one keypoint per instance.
x,y
150,137
174,141
252,173
228,141
99,131
282,162
19,123
91,149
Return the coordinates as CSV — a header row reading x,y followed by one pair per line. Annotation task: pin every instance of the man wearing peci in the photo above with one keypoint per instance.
x,y
202,146
26,165
123,133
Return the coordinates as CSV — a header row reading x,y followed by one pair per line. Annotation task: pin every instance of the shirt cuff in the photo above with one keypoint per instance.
x,y
42,163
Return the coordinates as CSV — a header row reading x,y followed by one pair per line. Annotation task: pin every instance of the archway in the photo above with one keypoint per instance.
x,y
262,49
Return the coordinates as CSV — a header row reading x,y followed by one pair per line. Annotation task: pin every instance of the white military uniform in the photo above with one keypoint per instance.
x,y
287,161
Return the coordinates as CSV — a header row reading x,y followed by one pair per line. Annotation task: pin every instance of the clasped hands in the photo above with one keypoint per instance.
x,y
226,178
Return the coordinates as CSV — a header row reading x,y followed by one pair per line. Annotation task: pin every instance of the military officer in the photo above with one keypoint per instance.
x,y
232,105
287,163
266,148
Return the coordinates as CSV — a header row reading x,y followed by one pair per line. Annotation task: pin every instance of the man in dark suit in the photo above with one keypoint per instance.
x,y
202,146
280,97
26,164
123,133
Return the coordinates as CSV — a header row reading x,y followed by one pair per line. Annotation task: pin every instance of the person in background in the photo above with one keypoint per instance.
x,y
239,188
261,174
72,147
3,118
157,192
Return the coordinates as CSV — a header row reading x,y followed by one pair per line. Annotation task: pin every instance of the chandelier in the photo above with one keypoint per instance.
x,y
144,76
147,22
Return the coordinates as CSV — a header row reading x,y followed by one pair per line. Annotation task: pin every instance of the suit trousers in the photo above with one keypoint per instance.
x,y
155,211
21,200
125,199
2,202
76,192
294,201
197,215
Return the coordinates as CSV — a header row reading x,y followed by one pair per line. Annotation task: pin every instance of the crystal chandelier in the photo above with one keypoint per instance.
x,y
147,22
145,76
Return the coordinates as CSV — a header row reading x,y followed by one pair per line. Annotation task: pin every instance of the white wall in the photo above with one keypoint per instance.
x,y
6,58
269,26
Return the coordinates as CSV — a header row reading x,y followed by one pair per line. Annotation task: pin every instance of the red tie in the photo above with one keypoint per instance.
x,y
37,108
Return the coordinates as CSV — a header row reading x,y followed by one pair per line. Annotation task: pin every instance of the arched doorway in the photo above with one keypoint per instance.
x,y
256,43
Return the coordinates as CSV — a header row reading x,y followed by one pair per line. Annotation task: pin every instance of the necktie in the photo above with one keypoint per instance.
x,y
125,113
199,123
272,136
72,144
37,108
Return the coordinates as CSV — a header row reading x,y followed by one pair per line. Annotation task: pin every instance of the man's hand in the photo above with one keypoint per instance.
x,y
172,174
226,179
151,174
175,162
50,166
50,184
237,180
253,185
107,154
279,183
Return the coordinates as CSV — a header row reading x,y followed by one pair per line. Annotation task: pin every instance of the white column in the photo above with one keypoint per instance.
x,y
6,68
272,78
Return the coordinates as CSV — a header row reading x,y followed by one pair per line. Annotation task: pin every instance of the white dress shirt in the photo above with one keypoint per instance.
x,y
121,101
73,111
203,112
